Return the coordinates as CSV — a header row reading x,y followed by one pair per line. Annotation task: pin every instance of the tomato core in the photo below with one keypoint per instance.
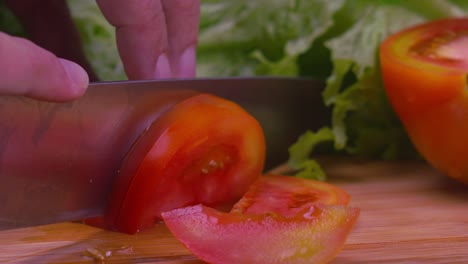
x,y
215,161
449,46
207,174
456,49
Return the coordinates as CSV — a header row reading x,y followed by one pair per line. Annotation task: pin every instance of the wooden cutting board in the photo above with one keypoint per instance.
x,y
409,214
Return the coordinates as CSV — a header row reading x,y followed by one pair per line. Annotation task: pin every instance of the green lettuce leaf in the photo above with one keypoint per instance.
x,y
98,37
363,122
362,119
337,41
262,37
302,149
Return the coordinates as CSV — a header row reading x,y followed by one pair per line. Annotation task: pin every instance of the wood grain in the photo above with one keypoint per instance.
x,y
409,214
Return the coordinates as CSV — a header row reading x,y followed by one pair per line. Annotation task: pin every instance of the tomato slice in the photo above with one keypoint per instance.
x,y
424,72
203,150
288,195
281,219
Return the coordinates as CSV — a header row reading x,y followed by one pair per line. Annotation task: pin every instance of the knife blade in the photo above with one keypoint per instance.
x,y
61,185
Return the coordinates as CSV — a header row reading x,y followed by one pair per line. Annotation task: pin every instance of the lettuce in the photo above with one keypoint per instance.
x,y
336,41
98,38
262,37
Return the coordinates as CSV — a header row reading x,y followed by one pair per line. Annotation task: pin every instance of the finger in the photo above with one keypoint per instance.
x,y
29,70
141,36
182,20
48,23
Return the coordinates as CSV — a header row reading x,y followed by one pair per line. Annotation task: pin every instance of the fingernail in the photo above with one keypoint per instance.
x,y
187,63
77,75
163,68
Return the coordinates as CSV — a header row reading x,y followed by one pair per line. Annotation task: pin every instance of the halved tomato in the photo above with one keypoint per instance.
x,y
424,69
285,223
203,150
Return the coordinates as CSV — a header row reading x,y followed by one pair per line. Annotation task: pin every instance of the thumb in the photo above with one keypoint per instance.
x,y
26,69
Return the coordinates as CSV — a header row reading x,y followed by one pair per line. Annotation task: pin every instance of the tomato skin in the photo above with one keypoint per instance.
x,y
203,150
428,94
281,219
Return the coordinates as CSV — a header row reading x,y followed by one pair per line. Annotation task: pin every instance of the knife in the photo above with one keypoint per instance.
x,y
63,186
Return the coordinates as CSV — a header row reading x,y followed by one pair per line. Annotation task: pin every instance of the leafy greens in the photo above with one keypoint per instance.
x,y
334,40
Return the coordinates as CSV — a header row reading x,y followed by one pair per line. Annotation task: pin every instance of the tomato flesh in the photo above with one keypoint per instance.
x,y
446,47
288,195
424,69
218,237
203,150
455,49
281,219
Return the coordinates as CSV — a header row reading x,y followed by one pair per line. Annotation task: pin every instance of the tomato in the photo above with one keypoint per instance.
x,y
288,195
272,223
203,150
424,72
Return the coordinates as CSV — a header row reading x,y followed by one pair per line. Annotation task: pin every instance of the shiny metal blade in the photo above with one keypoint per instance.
x,y
285,107
58,160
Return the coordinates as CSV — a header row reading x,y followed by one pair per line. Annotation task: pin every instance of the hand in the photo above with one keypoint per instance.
x,y
155,38
42,68
27,69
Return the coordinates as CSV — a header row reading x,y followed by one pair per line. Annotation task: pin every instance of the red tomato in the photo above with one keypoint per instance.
x,y
288,195
267,232
203,150
424,73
